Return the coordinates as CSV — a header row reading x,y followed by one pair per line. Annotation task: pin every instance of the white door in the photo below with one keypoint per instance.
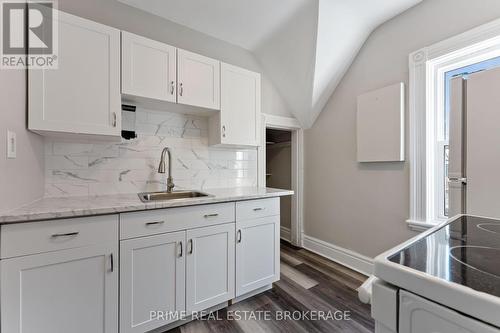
x,y
257,253
240,106
418,315
198,80
71,291
83,95
149,68
210,266
152,278
483,140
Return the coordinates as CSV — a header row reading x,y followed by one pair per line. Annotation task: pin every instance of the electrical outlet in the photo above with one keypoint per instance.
x,y
11,144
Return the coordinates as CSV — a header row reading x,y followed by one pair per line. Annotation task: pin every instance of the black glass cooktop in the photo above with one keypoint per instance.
x,y
465,251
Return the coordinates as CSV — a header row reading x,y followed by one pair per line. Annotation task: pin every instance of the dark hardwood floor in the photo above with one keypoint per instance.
x,y
309,284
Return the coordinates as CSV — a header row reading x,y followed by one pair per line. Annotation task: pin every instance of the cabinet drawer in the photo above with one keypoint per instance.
x,y
153,222
253,209
39,237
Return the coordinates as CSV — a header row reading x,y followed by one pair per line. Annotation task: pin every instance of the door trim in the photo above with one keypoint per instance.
x,y
289,124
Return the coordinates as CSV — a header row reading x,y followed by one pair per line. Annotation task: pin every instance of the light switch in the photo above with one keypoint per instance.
x,y
11,144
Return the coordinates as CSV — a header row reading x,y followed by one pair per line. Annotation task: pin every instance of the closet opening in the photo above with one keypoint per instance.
x,y
279,173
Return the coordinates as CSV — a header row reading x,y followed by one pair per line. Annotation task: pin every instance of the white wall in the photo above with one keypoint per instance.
x,y
21,179
363,207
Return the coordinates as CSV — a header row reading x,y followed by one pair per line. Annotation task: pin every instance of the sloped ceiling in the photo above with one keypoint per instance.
x,y
304,46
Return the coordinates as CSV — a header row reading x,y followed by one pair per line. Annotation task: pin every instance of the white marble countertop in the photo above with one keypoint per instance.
x,y
67,207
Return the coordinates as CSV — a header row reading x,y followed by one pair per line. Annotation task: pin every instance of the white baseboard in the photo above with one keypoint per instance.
x,y
345,257
285,234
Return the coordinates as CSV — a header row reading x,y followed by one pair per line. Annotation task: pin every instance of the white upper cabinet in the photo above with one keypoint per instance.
x,y
81,96
198,80
149,68
239,118
98,66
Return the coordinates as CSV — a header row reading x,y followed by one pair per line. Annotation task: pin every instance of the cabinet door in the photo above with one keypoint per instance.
x,y
148,68
240,106
83,94
257,253
417,315
210,266
198,79
73,291
152,278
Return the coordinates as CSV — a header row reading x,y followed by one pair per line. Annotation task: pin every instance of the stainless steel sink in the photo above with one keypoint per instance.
x,y
174,195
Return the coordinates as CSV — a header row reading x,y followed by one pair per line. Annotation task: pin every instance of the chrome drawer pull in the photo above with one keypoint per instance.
x,y
257,209
155,223
210,215
69,234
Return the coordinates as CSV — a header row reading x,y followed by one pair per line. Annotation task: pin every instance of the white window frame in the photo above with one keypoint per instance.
x,y
427,68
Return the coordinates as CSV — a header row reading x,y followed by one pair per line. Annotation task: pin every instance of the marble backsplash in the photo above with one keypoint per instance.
x,y
130,166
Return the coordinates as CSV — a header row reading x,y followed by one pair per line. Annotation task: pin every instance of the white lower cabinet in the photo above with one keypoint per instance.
x,y
257,253
62,276
73,290
152,280
418,315
210,266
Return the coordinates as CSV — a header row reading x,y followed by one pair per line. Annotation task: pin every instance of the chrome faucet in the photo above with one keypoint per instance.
x,y
161,169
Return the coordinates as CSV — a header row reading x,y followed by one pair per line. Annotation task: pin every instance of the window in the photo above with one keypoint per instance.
x,y
431,69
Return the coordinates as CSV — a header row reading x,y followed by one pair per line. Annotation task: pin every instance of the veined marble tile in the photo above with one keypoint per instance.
x,y
66,162
240,164
85,149
130,166
61,190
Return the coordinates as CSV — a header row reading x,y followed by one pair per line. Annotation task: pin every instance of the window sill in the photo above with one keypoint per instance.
x,y
421,225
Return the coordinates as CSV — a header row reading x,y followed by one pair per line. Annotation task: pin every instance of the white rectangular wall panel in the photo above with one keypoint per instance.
x,y
380,125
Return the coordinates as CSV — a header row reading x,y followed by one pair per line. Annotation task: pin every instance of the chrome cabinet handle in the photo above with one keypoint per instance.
x,y
180,244
257,209
69,234
111,260
154,223
181,89
210,215
190,246
172,87
239,236
224,131
114,119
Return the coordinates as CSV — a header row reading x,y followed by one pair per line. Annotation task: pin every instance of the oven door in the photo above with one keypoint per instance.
x,y
419,315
